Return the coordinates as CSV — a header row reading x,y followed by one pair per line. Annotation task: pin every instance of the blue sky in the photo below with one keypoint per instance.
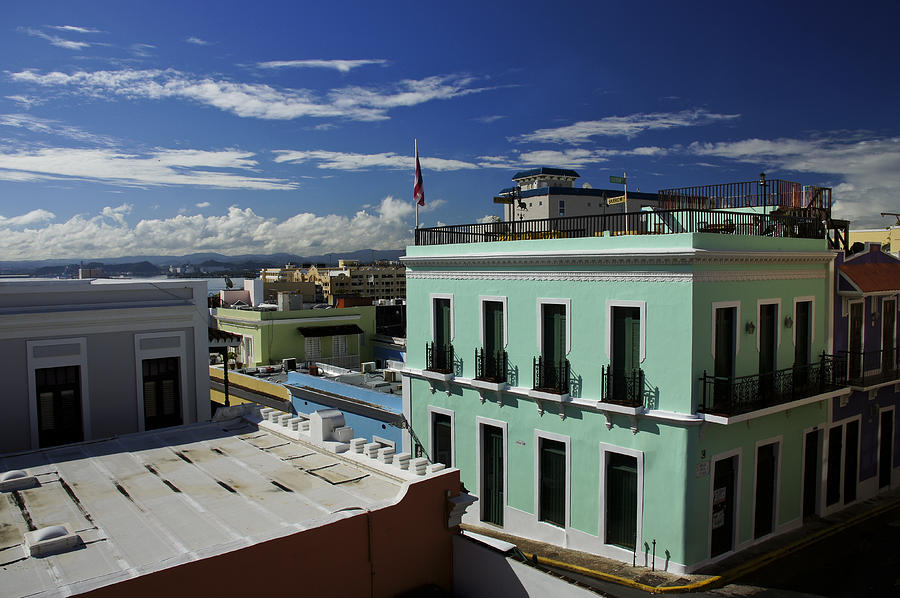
x,y
175,127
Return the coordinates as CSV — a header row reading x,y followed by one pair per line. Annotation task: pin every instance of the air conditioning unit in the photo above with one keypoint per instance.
x,y
368,367
391,376
289,364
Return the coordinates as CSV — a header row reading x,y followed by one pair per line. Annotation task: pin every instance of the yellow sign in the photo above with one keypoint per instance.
x,y
614,200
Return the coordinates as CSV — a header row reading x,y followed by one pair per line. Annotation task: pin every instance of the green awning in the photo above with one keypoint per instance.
x,y
312,331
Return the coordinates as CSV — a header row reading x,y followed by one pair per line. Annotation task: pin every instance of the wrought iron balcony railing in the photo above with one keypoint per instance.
x,y
439,358
743,394
490,367
551,376
871,367
622,388
802,224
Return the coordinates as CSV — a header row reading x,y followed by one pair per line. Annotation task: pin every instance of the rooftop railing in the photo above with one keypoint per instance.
x,y
872,367
763,192
654,222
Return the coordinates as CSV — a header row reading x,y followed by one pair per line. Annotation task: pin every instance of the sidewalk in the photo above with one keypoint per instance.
x,y
708,577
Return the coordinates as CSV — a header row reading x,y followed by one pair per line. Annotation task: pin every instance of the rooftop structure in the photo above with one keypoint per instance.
x,y
177,510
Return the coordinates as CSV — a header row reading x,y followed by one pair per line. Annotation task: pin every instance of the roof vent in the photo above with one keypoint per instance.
x,y
50,540
16,479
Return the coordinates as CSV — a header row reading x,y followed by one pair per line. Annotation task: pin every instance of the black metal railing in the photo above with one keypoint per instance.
x,y
742,394
622,388
865,368
490,367
762,192
551,376
439,358
803,224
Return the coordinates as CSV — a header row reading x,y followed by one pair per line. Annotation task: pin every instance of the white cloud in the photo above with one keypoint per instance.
x,y
26,101
197,41
109,234
74,29
352,161
253,100
155,168
624,126
202,204
56,40
568,158
343,66
488,119
46,126
32,217
142,50
866,171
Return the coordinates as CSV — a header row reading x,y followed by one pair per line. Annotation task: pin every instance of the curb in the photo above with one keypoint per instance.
x,y
730,574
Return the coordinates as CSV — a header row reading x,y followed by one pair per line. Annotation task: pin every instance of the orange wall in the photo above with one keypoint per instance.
x,y
411,547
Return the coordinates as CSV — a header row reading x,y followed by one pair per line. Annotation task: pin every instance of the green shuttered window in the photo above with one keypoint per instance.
x,y
552,482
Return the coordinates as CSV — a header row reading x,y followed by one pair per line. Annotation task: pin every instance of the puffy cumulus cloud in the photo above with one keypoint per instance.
x,y
864,172
253,100
202,204
239,230
624,126
352,161
159,167
343,66
27,219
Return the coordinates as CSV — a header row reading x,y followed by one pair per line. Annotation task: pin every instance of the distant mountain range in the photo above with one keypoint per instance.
x,y
154,265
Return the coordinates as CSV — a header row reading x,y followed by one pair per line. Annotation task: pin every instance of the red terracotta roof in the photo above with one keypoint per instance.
x,y
873,278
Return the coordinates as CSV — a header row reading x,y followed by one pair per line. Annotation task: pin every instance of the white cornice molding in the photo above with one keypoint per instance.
x,y
631,257
621,276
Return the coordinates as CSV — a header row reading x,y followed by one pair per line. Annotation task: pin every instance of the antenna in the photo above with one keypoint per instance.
x,y
894,214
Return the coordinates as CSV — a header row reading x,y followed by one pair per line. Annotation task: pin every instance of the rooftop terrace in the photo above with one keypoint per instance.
x,y
801,223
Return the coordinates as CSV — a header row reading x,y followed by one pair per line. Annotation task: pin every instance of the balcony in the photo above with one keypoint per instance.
x,y
551,376
871,368
743,394
490,367
622,388
439,358
762,192
805,224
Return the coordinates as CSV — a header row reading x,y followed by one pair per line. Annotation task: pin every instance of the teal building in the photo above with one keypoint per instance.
x,y
628,383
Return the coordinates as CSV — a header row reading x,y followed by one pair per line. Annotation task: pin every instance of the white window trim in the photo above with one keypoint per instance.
x,y
538,435
35,363
312,340
736,524
440,410
541,302
759,304
642,305
480,422
890,451
141,354
884,300
431,299
737,325
828,510
812,321
605,450
481,301
777,440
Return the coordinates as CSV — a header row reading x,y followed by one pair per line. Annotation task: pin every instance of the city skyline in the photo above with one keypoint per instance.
x,y
168,129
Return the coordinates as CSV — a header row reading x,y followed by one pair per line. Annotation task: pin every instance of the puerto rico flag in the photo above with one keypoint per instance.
x,y
418,187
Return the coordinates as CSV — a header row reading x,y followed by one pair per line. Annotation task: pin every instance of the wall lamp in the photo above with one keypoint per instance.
x,y
750,328
788,322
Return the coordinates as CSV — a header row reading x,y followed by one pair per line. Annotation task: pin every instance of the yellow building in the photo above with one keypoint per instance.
x,y
888,237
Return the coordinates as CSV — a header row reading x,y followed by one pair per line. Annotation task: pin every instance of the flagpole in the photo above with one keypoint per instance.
x,y
416,141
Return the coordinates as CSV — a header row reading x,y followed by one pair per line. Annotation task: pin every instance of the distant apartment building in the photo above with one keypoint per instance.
x,y
349,278
89,359
544,192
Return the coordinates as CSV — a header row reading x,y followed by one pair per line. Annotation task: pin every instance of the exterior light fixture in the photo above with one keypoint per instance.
x,y
750,327
788,322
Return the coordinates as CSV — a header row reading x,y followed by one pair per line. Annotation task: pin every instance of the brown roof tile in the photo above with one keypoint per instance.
x,y
873,278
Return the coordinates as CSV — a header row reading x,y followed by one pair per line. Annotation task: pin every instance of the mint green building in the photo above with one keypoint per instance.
x,y
604,382
340,336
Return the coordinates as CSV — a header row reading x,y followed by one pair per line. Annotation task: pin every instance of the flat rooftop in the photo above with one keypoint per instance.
x,y
148,501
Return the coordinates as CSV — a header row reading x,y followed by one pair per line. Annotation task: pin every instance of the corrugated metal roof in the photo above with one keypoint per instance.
x,y
148,501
